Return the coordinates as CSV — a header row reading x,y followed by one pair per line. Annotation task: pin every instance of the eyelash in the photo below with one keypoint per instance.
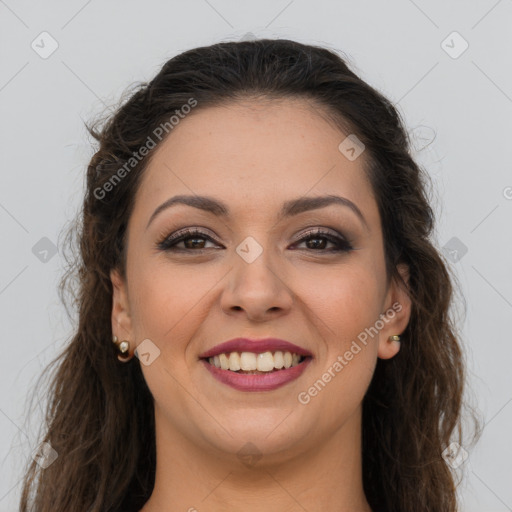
x,y
169,242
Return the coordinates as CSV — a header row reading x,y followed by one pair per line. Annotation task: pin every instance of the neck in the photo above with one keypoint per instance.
x,y
326,477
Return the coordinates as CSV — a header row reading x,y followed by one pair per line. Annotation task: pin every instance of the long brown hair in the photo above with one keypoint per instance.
x,y
100,414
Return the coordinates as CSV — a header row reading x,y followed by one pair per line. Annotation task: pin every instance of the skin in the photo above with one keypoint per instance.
x,y
255,155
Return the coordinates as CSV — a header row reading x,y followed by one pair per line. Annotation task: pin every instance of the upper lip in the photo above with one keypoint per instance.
x,y
257,346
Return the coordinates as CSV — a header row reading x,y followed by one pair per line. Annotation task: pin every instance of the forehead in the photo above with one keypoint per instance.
x,y
254,154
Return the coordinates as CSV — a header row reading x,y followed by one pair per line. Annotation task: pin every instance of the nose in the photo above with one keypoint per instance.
x,y
257,289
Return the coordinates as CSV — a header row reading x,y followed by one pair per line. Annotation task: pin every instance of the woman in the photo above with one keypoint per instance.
x,y
256,233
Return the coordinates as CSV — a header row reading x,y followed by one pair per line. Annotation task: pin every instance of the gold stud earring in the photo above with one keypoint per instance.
x,y
123,349
395,337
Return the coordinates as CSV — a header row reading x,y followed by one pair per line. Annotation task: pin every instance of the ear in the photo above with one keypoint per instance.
x,y
396,314
121,320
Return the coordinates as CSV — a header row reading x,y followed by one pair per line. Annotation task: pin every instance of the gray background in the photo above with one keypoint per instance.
x,y
397,46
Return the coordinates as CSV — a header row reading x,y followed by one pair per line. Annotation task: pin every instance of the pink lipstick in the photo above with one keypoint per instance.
x,y
280,362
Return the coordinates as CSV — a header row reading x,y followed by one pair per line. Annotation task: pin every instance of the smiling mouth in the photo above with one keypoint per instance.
x,y
250,363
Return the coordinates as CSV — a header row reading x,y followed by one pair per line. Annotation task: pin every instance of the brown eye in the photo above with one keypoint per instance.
x,y
193,240
322,238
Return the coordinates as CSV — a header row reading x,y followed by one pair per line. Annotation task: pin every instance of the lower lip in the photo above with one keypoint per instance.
x,y
263,382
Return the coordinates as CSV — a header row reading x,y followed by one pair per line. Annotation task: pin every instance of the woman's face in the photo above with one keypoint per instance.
x,y
255,273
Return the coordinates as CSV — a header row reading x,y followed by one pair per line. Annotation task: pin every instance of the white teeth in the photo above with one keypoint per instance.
x,y
224,361
265,362
278,360
249,361
234,361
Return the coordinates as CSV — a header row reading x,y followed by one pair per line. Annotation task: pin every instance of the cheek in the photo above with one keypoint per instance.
x,y
346,304
347,299
167,300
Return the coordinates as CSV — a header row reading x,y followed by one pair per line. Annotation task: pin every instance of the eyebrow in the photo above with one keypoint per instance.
x,y
289,208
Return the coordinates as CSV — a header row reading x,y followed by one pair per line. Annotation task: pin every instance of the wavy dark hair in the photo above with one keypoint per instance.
x,y
99,407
